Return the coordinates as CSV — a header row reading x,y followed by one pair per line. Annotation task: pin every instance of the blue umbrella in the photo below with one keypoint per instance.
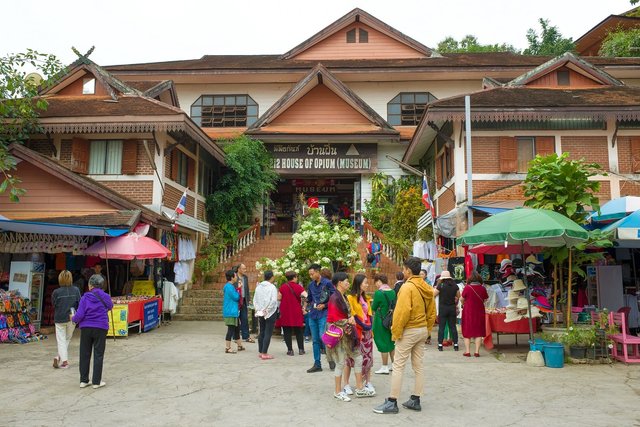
x,y
627,228
616,209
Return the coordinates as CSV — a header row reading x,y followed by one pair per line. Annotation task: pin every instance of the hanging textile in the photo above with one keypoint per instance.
x,y
181,271
185,249
170,240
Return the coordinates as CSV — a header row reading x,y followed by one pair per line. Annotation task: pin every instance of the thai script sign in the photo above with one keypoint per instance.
x,y
324,158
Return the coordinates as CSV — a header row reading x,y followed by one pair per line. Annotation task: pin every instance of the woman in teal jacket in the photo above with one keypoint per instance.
x,y
231,311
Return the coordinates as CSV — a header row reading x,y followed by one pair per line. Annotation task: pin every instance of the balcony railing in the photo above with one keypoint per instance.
x,y
245,239
387,249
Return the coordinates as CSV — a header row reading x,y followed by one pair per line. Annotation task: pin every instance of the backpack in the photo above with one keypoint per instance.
x,y
387,320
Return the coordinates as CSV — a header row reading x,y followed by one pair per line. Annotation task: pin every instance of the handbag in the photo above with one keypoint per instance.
x,y
324,295
371,258
387,320
332,335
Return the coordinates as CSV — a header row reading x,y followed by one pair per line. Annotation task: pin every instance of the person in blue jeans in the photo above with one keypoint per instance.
x,y
318,313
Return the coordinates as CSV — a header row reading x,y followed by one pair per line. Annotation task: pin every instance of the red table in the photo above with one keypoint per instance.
x,y
494,322
135,316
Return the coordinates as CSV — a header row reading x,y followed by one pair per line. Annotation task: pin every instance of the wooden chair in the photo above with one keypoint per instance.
x,y
625,311
629,351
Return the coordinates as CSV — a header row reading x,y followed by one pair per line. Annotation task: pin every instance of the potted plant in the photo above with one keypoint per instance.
x,y
578,340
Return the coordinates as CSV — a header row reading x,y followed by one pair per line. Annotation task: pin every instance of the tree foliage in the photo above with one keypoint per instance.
x,y
548,42
249,177
469,43
620,43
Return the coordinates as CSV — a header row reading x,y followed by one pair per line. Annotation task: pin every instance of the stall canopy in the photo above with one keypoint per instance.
x,y
616,209
493,207
627,231
109,224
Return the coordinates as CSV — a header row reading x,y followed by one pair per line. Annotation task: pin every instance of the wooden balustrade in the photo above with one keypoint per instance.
x,y
387,249
245,239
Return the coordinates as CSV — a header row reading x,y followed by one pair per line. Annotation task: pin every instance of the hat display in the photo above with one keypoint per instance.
x,y
535,312
522,303
518,285
513,295
445,275
531,259
504,263
512,316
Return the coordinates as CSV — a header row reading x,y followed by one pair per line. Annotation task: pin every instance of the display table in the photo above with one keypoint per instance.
x,y
143,313
495,323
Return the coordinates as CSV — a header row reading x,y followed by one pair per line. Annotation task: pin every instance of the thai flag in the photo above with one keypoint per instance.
x,y
182,204
426,198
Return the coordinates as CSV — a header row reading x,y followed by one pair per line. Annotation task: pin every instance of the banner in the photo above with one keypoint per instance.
x,y
143,287
151,316
119,325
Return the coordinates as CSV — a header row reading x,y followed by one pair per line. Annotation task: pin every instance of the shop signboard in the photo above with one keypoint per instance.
x,y
150,313
143,287
324,158
118,325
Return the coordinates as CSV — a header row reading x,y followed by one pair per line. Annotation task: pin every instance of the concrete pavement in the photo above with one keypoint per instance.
x,y
179,375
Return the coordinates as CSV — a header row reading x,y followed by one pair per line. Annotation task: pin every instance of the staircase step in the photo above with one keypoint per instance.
x,y
179,316
197,309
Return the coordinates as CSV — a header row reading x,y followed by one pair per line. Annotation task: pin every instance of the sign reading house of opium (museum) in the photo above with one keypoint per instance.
x,y
324,158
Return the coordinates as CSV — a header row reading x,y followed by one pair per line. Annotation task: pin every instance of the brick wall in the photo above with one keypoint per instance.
x,y
446,201
138,191
65,153
201,211
143,165
167,166
625,157
629,188
497,190
604,195
591,148
485,153
43,147
172,196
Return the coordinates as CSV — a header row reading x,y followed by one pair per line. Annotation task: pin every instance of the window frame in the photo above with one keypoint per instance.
x,y
108,142
564,82
222,110
361,32
351,36
520,141
89,86
403,113
183,168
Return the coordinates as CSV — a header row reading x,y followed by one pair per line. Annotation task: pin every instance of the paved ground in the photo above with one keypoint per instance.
x,y
179,375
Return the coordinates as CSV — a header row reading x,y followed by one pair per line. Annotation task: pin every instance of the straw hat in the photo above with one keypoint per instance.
x,y
445,275
522,303
504,263
512,316
535,312
532,259
513,295
518,285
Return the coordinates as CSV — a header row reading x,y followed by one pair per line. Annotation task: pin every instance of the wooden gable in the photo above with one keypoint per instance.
x,y
376,46
564,78
75,88
49,196
320,106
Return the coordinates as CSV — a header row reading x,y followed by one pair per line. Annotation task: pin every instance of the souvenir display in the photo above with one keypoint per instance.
x,y
15,323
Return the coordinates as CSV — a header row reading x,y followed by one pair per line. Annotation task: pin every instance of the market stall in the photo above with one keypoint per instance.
x,y
495,322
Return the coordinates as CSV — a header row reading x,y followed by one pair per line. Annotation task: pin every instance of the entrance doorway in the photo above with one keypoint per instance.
x,y
336,197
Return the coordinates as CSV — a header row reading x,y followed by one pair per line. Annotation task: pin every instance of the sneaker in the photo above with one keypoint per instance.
x,y
391,368
413,404
388,407
83,385
302,352
455,347
332,365
347,389
342,396
365,392
370,387
65,365
384,370
307,339
314,368
102,384
56,362
440,348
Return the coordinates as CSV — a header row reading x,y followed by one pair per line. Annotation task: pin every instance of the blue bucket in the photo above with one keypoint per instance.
x,y
537,344
554,355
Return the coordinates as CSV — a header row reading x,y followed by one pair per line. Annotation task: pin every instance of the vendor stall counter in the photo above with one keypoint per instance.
x,y
495,322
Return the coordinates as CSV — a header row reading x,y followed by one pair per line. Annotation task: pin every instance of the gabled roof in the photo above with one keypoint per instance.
x,y
591,41
86,184
358,15
153,89
319,75
571,61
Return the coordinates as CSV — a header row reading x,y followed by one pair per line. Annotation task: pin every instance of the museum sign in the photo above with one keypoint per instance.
x,y
324,158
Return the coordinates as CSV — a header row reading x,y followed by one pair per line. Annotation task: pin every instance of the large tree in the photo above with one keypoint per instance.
x,y
469,43
621,43
548,42
20,106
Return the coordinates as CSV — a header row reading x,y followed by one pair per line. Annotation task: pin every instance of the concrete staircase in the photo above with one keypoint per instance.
x,y
204,300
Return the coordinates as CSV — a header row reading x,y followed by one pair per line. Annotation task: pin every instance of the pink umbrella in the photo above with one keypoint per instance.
x,y
130,246
500,249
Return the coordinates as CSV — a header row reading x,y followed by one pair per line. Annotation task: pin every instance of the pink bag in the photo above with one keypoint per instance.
x,y
332,336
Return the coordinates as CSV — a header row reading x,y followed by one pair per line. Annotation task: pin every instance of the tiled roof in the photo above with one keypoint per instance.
x,y
273,63
144,85
89,105
119,219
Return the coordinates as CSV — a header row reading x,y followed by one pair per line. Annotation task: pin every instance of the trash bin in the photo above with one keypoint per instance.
x,y
554,355
537,344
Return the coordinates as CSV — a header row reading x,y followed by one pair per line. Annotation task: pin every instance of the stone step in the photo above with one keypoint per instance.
x,y
210,317
202,301
199,309
201,293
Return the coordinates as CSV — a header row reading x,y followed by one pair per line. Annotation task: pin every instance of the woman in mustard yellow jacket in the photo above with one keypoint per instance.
x,y
361,309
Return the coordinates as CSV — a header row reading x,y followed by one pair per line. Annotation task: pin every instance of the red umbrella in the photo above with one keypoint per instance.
x,y
501,249
130,246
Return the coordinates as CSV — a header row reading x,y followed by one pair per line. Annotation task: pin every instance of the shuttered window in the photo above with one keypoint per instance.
x,y
508,155
80,155
407,108
526,153
105,157
215,111
545,145
516,153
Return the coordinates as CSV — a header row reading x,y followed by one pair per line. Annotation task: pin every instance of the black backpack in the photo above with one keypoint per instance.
x,y
387,320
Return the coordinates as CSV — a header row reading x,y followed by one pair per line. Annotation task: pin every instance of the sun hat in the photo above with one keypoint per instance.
x,y
512,316
504,263
518,285
445,275
513,295
522,303
532,259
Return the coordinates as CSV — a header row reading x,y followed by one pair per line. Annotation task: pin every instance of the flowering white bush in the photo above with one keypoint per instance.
x,y
317,241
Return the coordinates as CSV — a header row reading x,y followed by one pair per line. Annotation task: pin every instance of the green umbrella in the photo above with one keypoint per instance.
x,y
537,227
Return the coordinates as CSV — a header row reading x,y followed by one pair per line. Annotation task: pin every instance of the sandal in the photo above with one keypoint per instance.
x,y
228,350
251,340
241,348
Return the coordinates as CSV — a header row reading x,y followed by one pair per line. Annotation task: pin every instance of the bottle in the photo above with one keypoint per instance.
x,y
73,311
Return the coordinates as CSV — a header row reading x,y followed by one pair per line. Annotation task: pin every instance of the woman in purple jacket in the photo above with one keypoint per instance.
x,y
93,320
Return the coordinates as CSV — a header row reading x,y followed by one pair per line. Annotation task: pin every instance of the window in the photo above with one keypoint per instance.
x,y
221,111
183,169
351,36
563,78
105,157
88,86
407,108
206,181
526,152
363,36
445,166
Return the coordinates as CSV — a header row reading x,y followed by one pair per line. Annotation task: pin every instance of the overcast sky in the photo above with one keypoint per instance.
x,y
137,31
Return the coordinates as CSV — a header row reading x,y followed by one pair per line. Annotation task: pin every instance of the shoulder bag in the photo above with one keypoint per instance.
x,y
324,295
387,320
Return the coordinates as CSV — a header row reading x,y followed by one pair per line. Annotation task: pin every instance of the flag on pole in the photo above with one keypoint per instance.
x,y
182,204
426,198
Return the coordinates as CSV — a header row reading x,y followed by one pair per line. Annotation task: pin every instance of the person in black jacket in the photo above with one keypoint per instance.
x,y
64,299
448,292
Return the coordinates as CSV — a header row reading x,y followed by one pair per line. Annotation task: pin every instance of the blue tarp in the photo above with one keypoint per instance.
x,y
63,229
